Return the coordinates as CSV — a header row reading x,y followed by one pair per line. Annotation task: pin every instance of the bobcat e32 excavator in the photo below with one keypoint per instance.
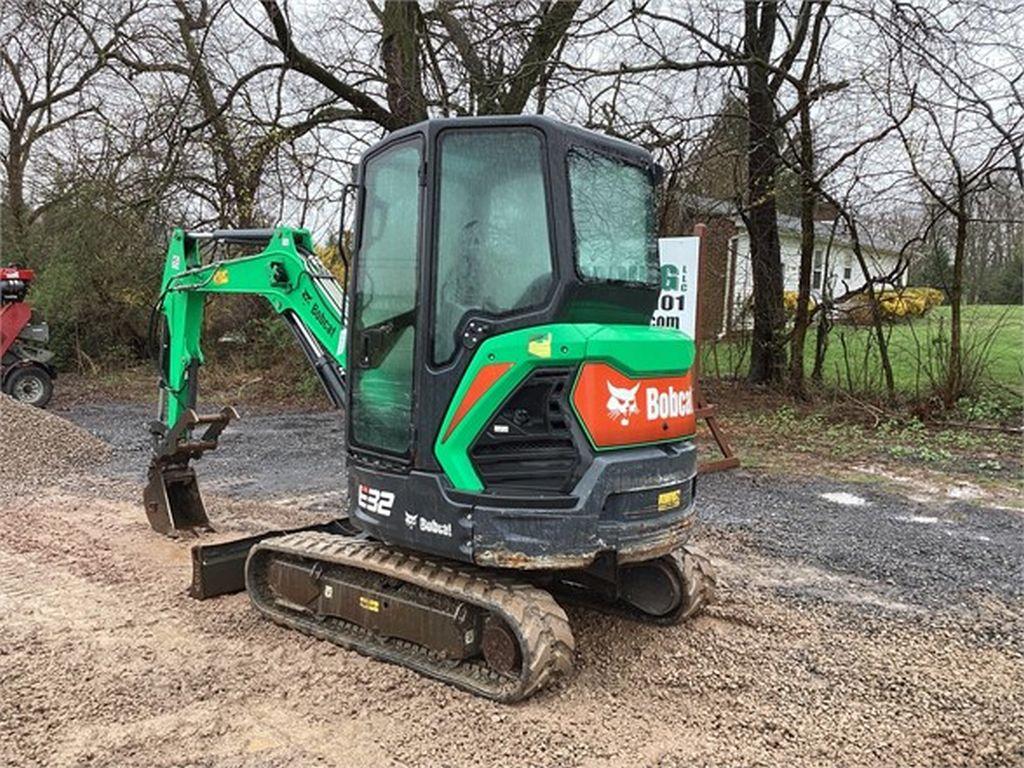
x,y
515,426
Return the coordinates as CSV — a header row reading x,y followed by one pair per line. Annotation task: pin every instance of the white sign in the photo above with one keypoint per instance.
x,y
677,304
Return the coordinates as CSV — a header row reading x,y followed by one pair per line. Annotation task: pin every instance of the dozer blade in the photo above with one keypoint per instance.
x,y
173,501
219,569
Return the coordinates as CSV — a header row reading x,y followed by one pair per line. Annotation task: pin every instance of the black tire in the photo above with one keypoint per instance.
x,y
30,384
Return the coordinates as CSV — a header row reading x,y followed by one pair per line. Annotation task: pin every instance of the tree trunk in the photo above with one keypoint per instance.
x,y
954,380
767,354
803,300
821,345
236,207
400,54
876,312
14,223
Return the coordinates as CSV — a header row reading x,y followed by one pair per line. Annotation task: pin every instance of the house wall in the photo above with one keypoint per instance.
x,y
842,271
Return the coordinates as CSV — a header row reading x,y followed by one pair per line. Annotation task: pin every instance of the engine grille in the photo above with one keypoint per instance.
x,y
528,445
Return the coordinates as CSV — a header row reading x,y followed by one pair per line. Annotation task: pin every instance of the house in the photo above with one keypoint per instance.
x,y
726,280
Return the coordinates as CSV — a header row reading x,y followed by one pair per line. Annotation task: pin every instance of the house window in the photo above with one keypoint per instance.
x,y
816,275
848,268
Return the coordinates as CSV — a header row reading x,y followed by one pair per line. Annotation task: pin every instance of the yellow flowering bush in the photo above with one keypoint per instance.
x,y
789,301
895,305
331,258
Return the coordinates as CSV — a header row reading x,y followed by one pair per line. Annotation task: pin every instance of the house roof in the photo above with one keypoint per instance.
x,y
711,206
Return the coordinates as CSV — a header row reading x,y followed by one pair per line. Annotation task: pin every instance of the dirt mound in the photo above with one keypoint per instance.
x,y
41,446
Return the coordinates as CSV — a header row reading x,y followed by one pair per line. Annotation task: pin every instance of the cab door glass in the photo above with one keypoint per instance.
x,y
385,301
613,219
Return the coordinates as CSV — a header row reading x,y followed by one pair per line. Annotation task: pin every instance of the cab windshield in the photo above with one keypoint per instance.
x,y
613,218
493,248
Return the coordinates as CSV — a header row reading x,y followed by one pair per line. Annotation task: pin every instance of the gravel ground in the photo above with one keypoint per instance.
x,y
854,627
37,443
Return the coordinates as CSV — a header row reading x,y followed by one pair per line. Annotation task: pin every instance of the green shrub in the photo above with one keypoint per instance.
x,y
98,271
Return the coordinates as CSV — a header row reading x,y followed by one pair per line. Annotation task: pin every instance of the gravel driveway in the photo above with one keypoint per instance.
x,y
855,626
928,555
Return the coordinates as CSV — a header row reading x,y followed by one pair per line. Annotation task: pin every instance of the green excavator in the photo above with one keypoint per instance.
x,y
516,429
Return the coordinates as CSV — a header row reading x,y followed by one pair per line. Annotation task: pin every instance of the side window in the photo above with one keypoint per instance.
x,y
493,246
385,302
613,219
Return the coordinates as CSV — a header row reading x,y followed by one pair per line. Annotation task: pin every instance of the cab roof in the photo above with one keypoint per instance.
x,y
563,134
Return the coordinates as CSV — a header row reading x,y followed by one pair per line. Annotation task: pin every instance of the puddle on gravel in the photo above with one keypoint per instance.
x,y
845,499
922,519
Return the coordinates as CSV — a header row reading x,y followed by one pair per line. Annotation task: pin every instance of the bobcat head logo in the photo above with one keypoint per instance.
x,y
410,520
622,403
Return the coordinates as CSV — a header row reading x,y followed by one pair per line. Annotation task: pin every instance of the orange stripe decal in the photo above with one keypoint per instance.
x,y
483,381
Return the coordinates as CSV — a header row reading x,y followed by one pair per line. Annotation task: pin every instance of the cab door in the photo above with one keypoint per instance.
x,y
384,308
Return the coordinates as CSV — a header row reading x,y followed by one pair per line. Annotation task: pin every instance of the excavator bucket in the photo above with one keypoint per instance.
x,y
172,499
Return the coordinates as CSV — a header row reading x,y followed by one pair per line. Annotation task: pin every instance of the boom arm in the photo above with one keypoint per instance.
x,y
286,272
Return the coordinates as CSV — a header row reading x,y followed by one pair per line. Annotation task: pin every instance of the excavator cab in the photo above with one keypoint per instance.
x,y
509,403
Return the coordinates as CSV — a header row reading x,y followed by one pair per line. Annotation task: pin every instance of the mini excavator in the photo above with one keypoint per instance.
x,y
516,429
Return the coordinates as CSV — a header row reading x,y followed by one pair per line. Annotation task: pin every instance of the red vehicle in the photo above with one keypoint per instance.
x,y
25,370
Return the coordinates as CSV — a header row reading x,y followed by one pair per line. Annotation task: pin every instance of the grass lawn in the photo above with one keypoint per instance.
x,y
912,349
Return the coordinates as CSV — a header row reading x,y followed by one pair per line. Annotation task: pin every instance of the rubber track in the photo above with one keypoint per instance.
x,y
692,568
699,583
543,630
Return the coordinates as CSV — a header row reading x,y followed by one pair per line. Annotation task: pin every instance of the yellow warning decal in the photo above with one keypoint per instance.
x,y
669,500
540,346
369,604
220,277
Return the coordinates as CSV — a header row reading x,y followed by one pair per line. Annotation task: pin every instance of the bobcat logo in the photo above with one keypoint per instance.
x,y
410,520
622,403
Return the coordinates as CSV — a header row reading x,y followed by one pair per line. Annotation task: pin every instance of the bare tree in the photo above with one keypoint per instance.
x,y
809,195
453,56
969,129
53,54
237,110
767,356
747,47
